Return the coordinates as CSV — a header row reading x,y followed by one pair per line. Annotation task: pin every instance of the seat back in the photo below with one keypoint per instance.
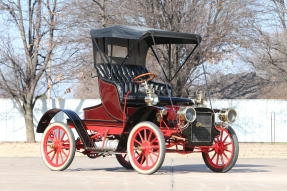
x,y
122,76
119,73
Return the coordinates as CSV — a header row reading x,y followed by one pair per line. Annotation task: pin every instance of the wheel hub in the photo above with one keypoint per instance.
x,y
145,147
56,145
220,147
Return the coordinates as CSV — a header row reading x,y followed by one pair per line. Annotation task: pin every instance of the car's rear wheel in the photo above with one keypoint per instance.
x,y
222,156
58,146
146,148
123,159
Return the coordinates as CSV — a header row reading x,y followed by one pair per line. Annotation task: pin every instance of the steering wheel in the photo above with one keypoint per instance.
x,y
140,78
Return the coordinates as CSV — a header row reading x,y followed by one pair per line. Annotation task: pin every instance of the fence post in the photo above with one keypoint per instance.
x,y
273,127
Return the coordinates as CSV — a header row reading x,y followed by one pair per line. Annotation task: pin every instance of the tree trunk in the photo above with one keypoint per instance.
x,y
30,135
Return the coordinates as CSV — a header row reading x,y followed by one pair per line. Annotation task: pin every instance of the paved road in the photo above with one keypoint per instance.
x,y
29,174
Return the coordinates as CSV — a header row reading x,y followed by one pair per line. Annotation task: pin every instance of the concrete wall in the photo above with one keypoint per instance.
x,y
258,120
12,124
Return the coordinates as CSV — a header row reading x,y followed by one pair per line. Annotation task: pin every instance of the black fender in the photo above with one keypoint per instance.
x,y
146,113
75,119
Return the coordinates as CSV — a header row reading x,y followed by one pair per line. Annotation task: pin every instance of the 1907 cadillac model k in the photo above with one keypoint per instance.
x,y
139,120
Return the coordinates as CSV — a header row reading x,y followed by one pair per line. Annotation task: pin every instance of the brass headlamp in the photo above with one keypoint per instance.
x,y
187,113
227,115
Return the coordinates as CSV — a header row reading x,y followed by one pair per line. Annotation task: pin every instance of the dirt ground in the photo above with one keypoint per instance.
x,y
247,150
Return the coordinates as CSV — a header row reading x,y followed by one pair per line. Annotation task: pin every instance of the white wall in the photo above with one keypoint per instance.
x,y
253,123
254,119
12,124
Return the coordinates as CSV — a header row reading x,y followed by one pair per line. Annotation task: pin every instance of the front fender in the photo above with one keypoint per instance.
x,y
77,122
146,113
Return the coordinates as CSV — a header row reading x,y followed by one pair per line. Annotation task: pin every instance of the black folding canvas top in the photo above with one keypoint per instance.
x,y
147,34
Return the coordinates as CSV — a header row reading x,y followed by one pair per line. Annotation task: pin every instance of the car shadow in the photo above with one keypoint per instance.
x,y
202,168
115,169
181,169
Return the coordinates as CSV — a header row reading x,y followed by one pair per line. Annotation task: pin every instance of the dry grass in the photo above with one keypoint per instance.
x,y
263,150
247,150
19,149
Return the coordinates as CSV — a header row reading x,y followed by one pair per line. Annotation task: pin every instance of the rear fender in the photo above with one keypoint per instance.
x,y
75,119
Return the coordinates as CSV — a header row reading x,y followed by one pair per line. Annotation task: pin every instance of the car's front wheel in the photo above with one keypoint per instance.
x,y
223,154
146,148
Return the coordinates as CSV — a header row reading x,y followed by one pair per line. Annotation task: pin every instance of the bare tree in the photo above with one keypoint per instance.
x,y
85,15
237,86
28,63
224,25
268,53
279,10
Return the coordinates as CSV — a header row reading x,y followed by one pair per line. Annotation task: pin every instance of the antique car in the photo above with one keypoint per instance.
x,y
139,120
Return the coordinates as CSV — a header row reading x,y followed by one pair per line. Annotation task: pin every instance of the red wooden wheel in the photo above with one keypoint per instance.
x,y
146,148
222,156
58,146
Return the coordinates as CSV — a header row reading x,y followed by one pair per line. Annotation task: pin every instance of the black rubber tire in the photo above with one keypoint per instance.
x,y
234,155
121,158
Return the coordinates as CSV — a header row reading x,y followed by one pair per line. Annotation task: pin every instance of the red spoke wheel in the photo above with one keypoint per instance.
x,y
224,153
123,159
58,146
146,148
